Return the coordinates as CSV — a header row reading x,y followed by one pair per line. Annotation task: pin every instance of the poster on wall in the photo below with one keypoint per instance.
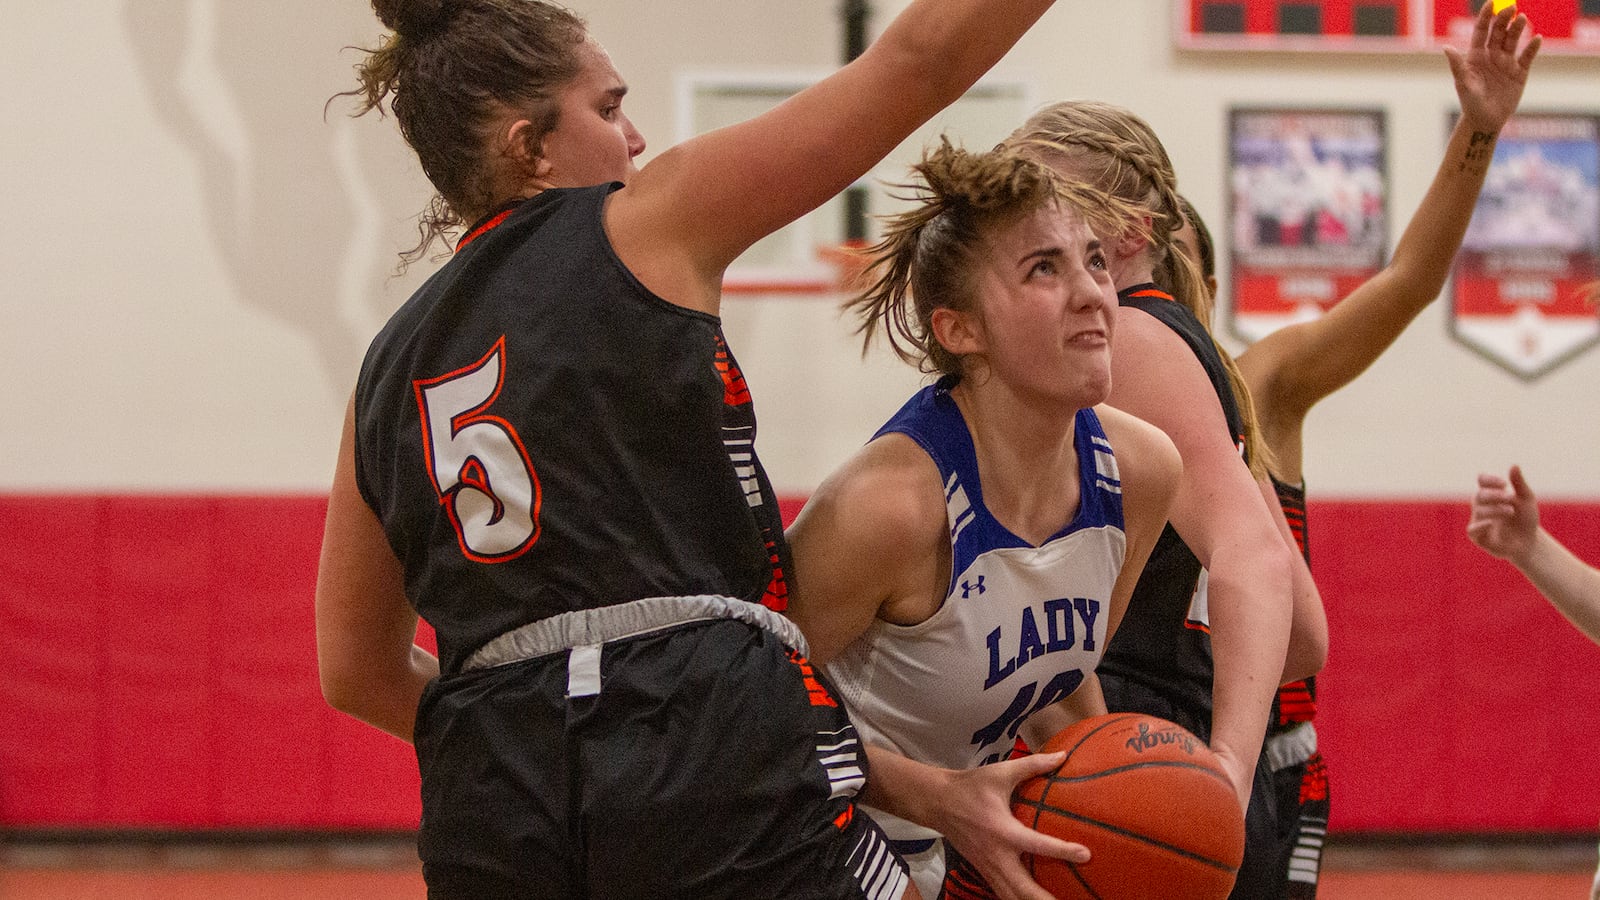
x,y
1307,212
1518,288
1369,26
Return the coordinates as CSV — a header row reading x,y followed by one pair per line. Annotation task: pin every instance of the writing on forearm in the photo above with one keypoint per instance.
x,y
1480,149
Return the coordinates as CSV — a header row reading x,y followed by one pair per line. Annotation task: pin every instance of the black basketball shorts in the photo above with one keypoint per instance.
x,y
713,762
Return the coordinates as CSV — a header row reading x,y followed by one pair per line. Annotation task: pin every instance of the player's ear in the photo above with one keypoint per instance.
x,y
525,154
958,332
1132,241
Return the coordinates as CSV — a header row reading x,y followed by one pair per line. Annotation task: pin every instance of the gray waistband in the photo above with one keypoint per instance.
x,y
588,627
1292,747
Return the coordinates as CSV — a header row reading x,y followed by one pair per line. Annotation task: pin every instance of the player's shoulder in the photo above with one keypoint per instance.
x,y
1147,343
1141,448
890,487
1157,376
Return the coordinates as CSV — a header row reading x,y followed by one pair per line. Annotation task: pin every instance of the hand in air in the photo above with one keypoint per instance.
x,y
1491,73
982,827
1505,515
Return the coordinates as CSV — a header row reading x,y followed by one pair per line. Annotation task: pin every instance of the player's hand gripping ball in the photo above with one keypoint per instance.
x,y
1150,801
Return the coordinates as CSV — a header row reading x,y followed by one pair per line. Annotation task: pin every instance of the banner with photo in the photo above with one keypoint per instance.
x,y
1518,288
1308,212
1569,27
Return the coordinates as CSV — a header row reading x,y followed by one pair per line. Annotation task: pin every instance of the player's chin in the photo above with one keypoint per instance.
x,y
1091,385
1093,372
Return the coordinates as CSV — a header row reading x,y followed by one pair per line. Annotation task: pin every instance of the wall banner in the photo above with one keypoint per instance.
x,y
1307,215
1534,244
1570,27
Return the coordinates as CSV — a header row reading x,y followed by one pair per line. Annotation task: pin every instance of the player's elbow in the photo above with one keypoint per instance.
x,y
1308,637
337,691
1307,653
343,686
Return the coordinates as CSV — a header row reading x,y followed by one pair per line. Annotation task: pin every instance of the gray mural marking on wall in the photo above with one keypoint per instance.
x,y
307,209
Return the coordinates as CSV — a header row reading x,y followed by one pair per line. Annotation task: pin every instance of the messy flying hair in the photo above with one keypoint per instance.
x,y
1120,153
450,70
928,255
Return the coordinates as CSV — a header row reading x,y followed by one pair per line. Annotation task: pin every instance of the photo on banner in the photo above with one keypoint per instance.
x,y
1307,214
1517,290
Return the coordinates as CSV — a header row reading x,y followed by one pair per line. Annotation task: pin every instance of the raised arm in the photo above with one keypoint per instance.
x,y
1221,515
1505,523
1292,369
691,211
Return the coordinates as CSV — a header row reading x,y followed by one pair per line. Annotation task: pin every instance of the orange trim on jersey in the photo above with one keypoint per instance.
x,y
735,392
818,693
1314,783
843,820
483,229
1152,292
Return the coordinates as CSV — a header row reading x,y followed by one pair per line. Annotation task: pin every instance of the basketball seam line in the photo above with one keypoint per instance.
x,y
1107,826
1098,728
1055,777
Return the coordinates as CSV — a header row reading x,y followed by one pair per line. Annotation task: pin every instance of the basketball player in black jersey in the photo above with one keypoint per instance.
x,y
1295,367
549,457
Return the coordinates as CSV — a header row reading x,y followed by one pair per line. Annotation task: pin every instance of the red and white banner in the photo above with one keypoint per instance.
x,y
1518,294
1371,26
1308,221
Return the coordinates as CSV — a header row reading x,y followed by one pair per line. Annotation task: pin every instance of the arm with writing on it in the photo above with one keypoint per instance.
x,y
1294,368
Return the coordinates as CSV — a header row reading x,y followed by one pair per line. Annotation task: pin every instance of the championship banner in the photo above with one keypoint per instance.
x,y
1534,244
1372,26
1308,219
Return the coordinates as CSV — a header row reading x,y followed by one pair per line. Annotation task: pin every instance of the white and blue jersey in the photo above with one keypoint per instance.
x,y
1021,626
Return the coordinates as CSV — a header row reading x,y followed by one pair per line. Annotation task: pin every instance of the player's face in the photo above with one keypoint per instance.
x,y
593,142
1046,309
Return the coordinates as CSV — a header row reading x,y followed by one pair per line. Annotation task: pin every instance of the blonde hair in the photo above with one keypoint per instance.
x,y
926,258
1119,153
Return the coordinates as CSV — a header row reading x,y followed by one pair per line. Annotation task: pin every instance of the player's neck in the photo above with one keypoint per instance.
x,y
1027,465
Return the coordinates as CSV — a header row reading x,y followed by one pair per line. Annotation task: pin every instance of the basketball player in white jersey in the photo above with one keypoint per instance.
x,y
961,574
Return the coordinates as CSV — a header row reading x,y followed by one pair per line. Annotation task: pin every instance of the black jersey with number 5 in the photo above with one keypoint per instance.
x,y
538,433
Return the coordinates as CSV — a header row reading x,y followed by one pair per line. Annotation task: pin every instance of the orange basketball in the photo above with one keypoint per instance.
x,y
1149,800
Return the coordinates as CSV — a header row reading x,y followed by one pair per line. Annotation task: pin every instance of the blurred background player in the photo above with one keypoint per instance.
x,y
1505,523
960,575
549,456
1292,369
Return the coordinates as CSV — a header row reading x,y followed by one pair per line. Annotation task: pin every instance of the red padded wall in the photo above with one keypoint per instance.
x,y
1455,698
161,673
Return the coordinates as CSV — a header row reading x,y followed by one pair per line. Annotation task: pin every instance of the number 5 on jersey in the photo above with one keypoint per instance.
x,y
477,462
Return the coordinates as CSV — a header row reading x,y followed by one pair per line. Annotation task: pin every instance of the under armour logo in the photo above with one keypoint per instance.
x,y
968,587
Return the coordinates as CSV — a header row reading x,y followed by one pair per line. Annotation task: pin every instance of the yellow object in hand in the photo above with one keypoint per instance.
x,y
1502,4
